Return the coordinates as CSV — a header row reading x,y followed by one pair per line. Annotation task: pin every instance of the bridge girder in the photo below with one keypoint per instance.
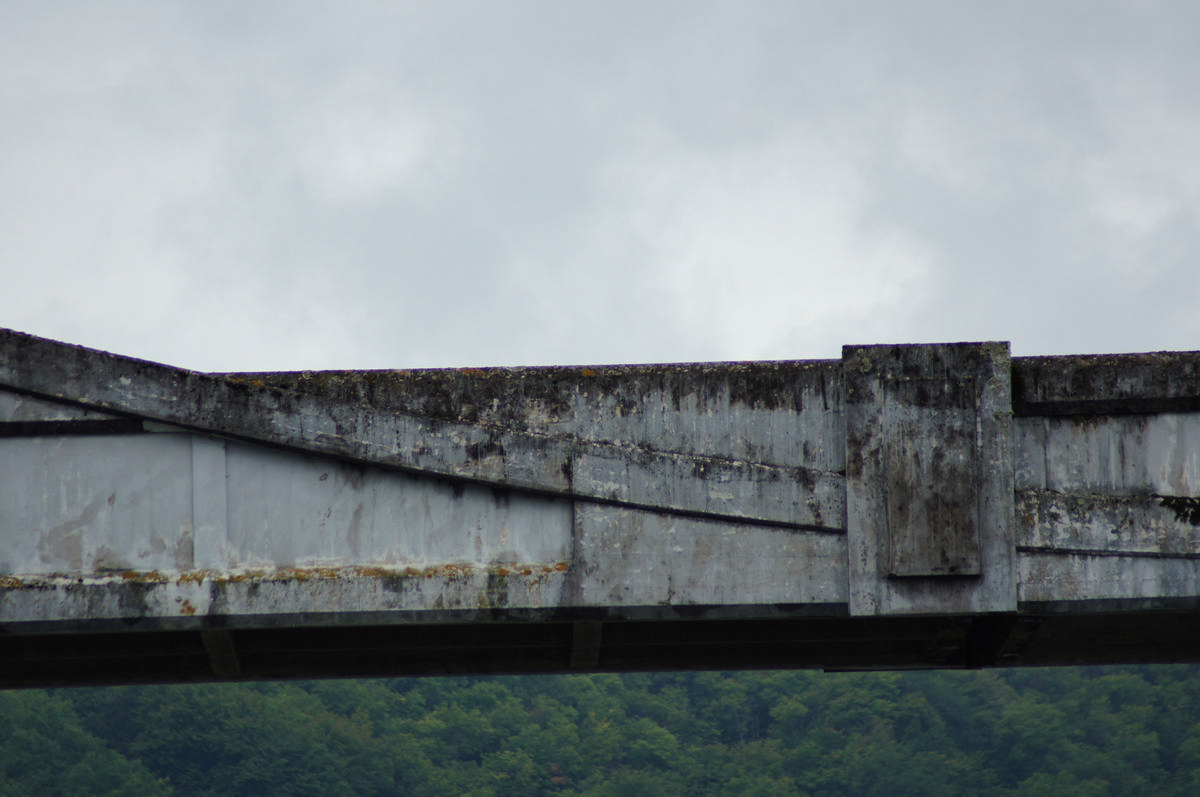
x,y
905,506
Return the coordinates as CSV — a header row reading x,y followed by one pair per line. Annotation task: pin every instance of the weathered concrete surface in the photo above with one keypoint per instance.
x,y
924,506
207,526
1107,475
929,479
694,476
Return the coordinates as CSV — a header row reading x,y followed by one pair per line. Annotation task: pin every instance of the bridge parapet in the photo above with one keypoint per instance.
x,y
906,506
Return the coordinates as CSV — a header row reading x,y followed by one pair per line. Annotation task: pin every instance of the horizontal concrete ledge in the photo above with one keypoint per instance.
x,y
482,618
1106,384
1110,606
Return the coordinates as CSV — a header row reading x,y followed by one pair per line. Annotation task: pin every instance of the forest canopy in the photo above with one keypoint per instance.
x,y
1079,731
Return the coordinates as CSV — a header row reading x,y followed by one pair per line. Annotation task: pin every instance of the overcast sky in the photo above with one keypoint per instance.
x,y
277,186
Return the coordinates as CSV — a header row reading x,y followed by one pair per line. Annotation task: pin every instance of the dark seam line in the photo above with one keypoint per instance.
x,y
1127,406
1091,552
70,428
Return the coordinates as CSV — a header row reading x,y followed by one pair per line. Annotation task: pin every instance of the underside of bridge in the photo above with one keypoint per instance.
x,y
528,646
915,506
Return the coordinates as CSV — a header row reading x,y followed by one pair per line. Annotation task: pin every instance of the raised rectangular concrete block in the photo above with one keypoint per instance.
x,y
929,478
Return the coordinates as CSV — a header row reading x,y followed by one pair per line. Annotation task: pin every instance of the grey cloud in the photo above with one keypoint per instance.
x,y
304,185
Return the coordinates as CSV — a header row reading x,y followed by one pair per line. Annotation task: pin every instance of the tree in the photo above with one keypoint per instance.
x,y
45,750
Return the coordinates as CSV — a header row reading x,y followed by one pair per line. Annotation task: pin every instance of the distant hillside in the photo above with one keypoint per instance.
x,y
1094,731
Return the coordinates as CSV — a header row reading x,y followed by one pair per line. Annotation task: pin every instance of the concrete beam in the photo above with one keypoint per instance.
x,y
935,506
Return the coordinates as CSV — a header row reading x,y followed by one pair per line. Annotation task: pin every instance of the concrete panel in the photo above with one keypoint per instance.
x,y
931,532
289,510
134,601
1146,524
190,527
633,558
95,504
1076,578
1122,455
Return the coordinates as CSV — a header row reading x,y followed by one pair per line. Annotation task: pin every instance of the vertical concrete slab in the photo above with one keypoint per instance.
x,y
929,479
205,550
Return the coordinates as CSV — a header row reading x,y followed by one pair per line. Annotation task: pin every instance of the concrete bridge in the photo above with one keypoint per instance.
x,y
905,506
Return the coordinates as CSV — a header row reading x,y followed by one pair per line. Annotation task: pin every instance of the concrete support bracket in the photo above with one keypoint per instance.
x,y
222,654
929,479
585,645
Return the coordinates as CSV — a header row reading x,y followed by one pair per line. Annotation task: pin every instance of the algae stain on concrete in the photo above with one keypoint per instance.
x,y
1187,510
64,542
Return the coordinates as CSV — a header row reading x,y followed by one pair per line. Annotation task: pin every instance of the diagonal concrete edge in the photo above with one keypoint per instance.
x,y
702,477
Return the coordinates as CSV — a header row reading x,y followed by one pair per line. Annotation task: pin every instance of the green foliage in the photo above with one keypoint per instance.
x,y
45,750
1090,731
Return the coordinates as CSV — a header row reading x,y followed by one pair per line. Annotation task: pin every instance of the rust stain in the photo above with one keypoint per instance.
x,y
187,608
235,578
305,573
587,372
374,572
449,571
454,571
140,577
